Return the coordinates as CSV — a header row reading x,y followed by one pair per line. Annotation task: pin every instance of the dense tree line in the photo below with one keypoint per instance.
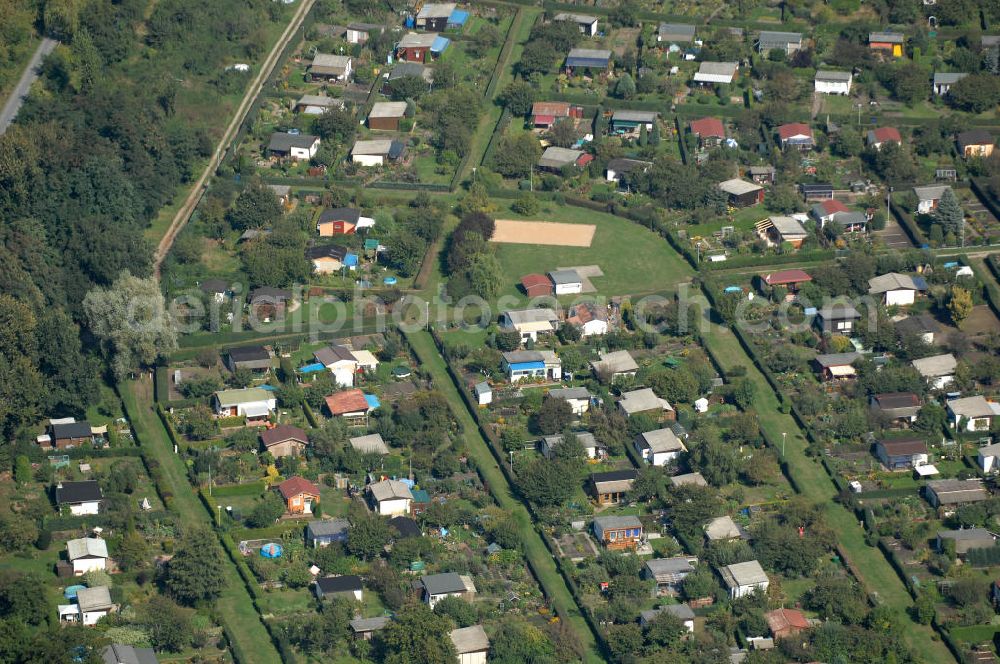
x,y
93,157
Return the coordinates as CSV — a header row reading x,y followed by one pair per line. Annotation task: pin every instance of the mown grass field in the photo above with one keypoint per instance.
x,y
634,259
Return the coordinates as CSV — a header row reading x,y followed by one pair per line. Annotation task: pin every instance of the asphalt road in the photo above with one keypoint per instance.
x,y
28,76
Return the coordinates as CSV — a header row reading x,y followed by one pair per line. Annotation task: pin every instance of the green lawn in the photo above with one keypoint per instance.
x,y
235,607
634,259
538,555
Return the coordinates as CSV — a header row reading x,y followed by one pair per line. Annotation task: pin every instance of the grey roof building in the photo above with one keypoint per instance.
x,y
789,42
119,653
443,584
675,32
555,158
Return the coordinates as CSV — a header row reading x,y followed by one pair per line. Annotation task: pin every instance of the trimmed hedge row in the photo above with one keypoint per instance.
x,y
106,453
310,415
161,385
908,224
231,490
57,523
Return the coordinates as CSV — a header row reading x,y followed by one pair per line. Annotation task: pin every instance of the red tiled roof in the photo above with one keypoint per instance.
x,y
584,159
794,129
784,620
556,109
832,206
532,280
348,401
708,127
281,433
883,134
906,446
584,313
544,119
786,277
294,486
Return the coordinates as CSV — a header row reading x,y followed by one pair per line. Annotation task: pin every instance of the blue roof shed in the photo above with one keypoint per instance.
x,y
440,44
373,401
458,18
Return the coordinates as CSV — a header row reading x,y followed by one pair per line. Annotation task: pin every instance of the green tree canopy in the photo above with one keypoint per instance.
x,y
131,321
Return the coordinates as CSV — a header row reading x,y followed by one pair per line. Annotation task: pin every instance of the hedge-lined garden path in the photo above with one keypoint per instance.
x,y
236,609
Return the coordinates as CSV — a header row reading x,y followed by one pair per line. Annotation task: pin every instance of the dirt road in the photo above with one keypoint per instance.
x,y
28,76
191,202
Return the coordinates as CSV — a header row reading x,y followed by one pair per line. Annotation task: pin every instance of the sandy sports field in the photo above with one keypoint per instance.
x,y
543,232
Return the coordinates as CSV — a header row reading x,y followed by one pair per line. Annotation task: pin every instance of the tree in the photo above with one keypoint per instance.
x,y
959,304
975,93
623,641
526,204
133,552
537,56
22,598
699,583
553,416
625,87
677,385
168,625
407,87
266,511
131,321
720,463
624,14
17,532
199,423
516,155
459,610
563,133
742,393
847,143
519,642
195,573
484,39
485,275
907,82
949,213
665,630
336,124
405,252
518,97
547,483
255,207
367,535
924,608
22,470
417,636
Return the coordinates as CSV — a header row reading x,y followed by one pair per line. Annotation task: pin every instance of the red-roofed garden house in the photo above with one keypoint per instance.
x,y
536,285
790,279
797,136
709,131
299,495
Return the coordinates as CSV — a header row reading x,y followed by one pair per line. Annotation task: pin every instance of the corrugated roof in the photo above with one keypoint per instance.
x,y
387,109
470,639
389,490
86,547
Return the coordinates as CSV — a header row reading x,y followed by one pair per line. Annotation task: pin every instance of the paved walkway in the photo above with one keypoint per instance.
x,y
28,76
